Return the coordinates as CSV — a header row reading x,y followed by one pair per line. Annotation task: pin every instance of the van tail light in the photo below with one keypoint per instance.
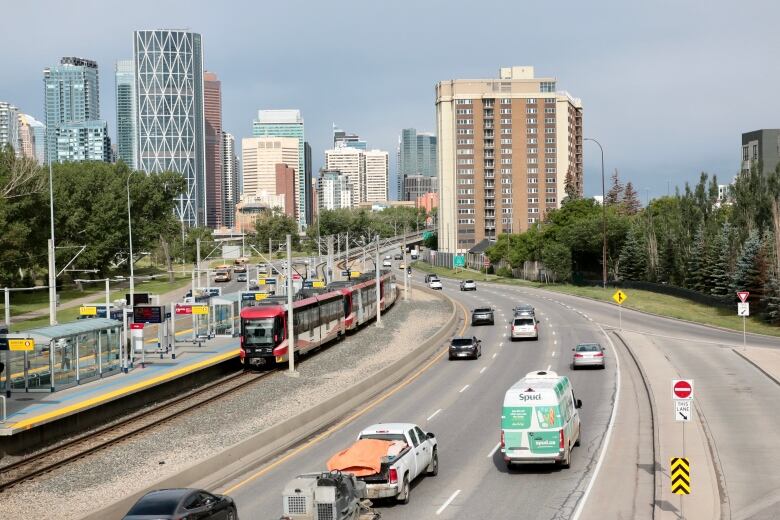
x,y
577,355
393,476
503,443
560,438
599,354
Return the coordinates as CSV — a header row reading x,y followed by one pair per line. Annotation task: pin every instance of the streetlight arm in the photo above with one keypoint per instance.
x,y
604,213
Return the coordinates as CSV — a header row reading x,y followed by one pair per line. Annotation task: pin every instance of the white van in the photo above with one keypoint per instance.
x,y
539,421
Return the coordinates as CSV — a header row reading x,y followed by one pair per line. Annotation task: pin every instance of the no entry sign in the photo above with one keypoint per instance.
x,y
682,388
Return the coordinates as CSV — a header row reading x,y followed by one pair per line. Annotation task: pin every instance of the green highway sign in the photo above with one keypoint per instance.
x,y
459,261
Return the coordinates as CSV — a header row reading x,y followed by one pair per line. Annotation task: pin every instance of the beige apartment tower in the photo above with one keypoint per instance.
x,y
506,148
259,157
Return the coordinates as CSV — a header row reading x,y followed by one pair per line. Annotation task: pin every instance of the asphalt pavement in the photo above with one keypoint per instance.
x,y
460,401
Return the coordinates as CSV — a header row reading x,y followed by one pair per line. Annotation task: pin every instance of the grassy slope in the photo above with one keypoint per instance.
x,y
647,301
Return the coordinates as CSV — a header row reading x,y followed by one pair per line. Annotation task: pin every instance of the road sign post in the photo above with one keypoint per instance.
x,y
620,297
743,309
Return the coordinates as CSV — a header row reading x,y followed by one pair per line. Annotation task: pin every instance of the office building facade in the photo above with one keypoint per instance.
x,y
212,117
259,157
376,173
351,162
169,99
309,205
333,190
505,149
416,156
761,147
342,138
285,186
287,123
32,138
85,141
416,186
231,188
126,128
9,126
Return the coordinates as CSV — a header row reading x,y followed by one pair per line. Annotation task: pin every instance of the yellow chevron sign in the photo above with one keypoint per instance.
x,y
681,476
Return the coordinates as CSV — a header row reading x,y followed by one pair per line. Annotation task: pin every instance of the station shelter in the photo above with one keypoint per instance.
x,y
226,312
65,355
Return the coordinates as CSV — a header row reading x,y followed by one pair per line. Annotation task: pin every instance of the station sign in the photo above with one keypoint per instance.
x,y
318,283
136,326
182,309
253,296
21,344
354,274
344,273
308,284
148,314
88,310
266,281
138,298
200,309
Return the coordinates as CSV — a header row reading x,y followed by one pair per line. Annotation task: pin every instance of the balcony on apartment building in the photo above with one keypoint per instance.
x,y
488,103
489,145
488,134
489,184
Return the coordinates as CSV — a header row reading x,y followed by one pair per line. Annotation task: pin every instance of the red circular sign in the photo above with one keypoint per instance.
x,y
682,389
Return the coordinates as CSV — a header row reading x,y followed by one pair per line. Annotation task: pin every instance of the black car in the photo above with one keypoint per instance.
x,y
398,256
178,504
524,309
465,347
482,315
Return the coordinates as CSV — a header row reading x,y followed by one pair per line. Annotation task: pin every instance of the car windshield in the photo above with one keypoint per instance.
x,y
588,348
160,503
469,281
483,309
258,332
524,321
384,436
461,342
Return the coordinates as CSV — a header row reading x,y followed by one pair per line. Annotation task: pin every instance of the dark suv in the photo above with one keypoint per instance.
x,y
465,347
482,315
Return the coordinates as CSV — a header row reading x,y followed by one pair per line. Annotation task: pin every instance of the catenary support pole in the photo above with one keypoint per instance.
x,y
378,288
290,323
7,303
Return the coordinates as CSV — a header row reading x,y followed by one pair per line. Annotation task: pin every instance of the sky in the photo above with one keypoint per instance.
x,y
667,87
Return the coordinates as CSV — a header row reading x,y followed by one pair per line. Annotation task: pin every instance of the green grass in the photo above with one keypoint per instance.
x,y
647,301
68,314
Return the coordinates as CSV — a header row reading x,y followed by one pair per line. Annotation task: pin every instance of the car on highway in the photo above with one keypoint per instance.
x,y
388,257
404,453
182,503
398,256
402,266
429,276
524,327
241,277
262,269
524,309
482,315
468,285
588,355
387,263
435,283
465,347
540,420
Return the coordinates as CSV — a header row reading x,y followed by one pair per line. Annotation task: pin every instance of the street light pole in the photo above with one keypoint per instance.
x,y
378,288
290,327
604,213
130,232
52,250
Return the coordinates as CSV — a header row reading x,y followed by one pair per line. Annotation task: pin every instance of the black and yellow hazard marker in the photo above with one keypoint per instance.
x,y
681,476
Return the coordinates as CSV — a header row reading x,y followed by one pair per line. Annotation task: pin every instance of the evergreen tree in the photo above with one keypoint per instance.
x,y
772,299
633,257
696,265
719,276
615,193
746,272
631,202
570,187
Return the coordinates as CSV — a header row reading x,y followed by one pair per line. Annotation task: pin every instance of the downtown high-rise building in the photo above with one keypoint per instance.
x,y
416,186
376,176
169,99
287,123
126,118
32,138
506,149
230,185
366,172
310,192
9,126
212,110
333,190
72,106
416,156
259,159
343,138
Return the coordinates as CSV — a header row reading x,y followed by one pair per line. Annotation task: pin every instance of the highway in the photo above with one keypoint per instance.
x,y
460,401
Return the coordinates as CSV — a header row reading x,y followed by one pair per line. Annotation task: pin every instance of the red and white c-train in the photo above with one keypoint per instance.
x,y
316,320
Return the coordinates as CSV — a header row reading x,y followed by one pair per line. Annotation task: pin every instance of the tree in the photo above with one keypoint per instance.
x,y
633,256
631,203
570,187
719,276
696,266
432,241
747,272
557,259
276,226
772,298
615,193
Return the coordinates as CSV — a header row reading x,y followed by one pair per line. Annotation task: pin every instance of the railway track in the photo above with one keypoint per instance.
x,y
83,445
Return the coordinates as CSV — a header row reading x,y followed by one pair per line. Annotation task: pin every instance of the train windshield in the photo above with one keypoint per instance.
x,y
259,331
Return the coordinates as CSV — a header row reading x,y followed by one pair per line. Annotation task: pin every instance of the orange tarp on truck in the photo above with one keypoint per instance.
x,y
361,459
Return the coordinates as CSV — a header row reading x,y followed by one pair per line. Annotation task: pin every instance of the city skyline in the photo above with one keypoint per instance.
x,y
651,151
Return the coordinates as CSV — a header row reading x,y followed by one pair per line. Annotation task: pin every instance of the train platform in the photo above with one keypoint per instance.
x,y
28,410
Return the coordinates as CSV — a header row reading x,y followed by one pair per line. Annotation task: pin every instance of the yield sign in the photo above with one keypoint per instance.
x,y
743,296
682,388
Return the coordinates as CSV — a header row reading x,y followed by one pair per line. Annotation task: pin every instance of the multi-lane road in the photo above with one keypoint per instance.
x,y
617,470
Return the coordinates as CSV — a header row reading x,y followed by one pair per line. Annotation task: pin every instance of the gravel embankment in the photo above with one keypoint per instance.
x,y
105,477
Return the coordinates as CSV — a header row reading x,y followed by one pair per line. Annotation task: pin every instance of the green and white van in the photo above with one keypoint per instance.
x,y
539,421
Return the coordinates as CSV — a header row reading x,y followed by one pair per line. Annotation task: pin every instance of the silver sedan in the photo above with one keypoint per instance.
x,y
588,355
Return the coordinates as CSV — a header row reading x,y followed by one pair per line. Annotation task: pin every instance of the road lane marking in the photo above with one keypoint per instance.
x,y
463,389
339,425
433,414
483,369
495,354
494,450
549,367
553,333
448,502
555,342
553,354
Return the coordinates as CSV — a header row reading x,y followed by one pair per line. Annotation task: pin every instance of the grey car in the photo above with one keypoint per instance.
x,y
482,315
465,347
588,355
180,504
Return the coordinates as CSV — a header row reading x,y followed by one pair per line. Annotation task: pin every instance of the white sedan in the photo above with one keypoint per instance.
x,y
435,283
387,263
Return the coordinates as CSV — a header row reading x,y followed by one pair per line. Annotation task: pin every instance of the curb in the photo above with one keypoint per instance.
x,y
767,374
272,442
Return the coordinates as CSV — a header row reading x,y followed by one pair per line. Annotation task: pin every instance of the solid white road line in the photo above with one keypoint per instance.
x,y
494,450
607,436
463,389
483,369
433,414
495,354
448,502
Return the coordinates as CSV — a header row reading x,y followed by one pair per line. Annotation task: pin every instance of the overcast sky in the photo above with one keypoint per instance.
x,y
666,86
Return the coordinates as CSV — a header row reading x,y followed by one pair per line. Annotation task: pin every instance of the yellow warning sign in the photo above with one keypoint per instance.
x,y
619,297
21,344
88,311
681,476
260,296
200,309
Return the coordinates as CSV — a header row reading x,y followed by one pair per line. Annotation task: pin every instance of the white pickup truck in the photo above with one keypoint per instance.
x,y
418,454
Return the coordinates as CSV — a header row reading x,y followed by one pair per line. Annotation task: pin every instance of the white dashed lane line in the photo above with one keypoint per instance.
x,y
494,450
433,414
463,389
483,369
448,502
